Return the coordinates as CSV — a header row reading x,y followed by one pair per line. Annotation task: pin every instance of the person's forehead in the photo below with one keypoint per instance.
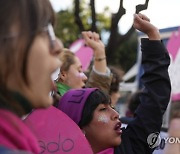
x,y
75,67
78,62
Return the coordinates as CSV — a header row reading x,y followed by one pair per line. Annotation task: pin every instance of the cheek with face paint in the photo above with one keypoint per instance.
x,y
103,118
75,79
78,75
81,75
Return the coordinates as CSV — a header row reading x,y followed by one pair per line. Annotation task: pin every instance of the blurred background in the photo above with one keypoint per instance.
x,y
113,21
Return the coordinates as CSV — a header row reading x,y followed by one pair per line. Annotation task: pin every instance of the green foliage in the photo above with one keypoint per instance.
x,y
103,22
65,28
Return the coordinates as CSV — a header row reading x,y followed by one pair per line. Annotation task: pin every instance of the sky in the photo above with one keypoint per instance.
x,y
157,11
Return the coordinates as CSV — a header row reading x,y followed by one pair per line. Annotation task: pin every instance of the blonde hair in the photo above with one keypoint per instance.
x,y
67,58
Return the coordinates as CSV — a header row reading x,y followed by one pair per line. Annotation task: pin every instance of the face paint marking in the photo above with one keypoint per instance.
x,y
103,118
81,75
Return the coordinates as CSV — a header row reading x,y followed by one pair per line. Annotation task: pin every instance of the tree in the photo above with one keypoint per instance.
x,y
115,39
86,18
67,28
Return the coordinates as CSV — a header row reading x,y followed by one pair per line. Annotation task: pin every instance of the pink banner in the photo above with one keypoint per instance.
x,y
57,133
82,51
173,46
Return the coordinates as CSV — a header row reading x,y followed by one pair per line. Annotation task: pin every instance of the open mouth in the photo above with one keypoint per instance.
x,y
53,86
54,77
55,74
117,128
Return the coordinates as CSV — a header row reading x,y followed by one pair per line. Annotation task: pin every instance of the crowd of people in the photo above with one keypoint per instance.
x,y
29,54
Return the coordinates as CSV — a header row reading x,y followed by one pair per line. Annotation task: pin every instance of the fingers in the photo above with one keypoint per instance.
x,y
137,21
141,21
139,18
90,35
143,17
86,36
96,36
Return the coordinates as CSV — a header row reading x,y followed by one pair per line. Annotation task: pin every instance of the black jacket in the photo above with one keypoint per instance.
x,y
154,99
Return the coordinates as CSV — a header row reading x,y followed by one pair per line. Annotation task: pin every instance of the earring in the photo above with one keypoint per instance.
x,y
84,132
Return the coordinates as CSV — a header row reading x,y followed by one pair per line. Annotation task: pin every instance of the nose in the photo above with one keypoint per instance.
x,y
56,51
115,115
84,77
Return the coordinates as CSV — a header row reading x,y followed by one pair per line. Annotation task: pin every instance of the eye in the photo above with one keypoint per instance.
x,y
112,107
80,70
103,109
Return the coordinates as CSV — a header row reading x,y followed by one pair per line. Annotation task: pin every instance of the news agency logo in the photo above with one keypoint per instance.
x,y
154,140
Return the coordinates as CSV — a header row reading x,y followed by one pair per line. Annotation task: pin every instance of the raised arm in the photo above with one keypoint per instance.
x,y
155,62
142,23
92,40
156,91
100,75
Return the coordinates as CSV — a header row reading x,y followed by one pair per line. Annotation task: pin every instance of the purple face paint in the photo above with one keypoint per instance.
x,y
82,75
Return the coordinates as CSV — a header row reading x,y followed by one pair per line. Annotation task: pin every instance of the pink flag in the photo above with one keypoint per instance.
x,y
173,46
83,52
57,133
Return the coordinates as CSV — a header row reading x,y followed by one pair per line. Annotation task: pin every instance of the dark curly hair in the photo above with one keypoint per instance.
x,y
116,79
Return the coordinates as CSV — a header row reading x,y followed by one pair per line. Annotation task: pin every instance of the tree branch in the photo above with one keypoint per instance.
x,y
124,37
139,8
142,7
119,14
93,14
114,25
76,14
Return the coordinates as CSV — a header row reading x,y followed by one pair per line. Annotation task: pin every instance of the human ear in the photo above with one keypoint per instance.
x,y
83,131
62,76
